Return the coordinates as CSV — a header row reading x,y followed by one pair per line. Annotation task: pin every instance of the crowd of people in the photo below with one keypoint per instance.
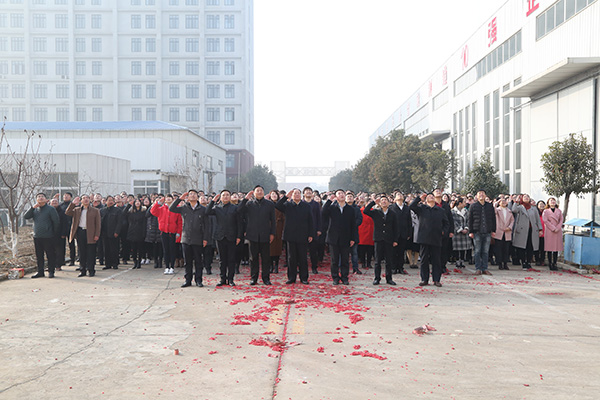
x,y
421,230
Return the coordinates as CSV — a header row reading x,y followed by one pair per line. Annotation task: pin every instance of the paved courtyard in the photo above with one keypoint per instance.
x,y
513,335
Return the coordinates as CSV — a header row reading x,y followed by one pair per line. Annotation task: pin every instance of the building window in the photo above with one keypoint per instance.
x,y
39,68
192,114
213,22
229,91
191,2
229,2
136,22
3,94
136,45
40,114
174,21
18,68
96,2
17,20
40,91
150,2
173,91
173,114
213,91
80,68
17,44
173,68
96,45
150,114
192,22
150,67
230,161
62,114
229,67
213,68
150,21
558,14
136,114
19,114
62,68
61,45
61,21
229,114
496,113
229,22
80,114
96,91
213,114
150,91
96,67
486,121
80,45
192,68
136,91
62,91
213,45
39,21
39,44
136,2
229,45
212,2
97,114
4,67
229,137
3,44
192,91
96,21
136,68
192,45
173,2
151,45
174,45
214,136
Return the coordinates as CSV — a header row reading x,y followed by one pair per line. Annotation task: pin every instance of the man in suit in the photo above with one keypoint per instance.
x,y
228,233
359,218
384,235
341,224
433,224
194,232
111,218
404,231
46,227
298,232
260,231
447,238
313,247
86,230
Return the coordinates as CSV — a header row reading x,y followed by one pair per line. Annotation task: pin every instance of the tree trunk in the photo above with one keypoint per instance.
x,y
567,197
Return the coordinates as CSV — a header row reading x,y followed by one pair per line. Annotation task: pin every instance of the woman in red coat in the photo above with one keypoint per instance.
x,y
366,245
553,236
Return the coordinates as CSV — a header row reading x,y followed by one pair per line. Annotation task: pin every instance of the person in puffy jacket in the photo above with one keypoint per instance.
x,y
136,232
169,224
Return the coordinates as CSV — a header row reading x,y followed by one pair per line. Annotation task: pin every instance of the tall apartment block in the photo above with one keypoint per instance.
x,y
186,62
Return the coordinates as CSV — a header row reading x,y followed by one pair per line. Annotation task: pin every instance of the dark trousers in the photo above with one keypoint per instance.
x,y
60,251
399,254
227,259
297,261
321,247
264,250
168,244
192,255
445,251
207,257
72,251
342,269
365,254
540,255
313,251
431,255
87,252
100,250
48,246
502,251
125,248
137,250
111,251
384,250
526,254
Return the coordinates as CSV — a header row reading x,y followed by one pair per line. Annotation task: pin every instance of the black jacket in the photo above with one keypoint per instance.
x,y
194,229
299,224
446,207
260,215
475,223
152,230
432,223
65,220
229,223
385,228
136,232
111,219
341,227
403,221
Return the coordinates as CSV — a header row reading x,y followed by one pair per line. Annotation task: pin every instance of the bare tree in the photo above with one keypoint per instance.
x,y
187,176
23,173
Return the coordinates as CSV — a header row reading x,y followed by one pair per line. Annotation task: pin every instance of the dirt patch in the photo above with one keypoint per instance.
x,y
25,257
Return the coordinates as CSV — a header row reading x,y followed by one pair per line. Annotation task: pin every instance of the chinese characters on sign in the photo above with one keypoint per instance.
x,y
492,32
532,5
430,88
465,58
445,76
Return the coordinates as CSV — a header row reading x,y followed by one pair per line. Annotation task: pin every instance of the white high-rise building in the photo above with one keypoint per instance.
x,y
187,62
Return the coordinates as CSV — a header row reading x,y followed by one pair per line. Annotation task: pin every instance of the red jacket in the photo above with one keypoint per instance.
x,y
168,221
365,230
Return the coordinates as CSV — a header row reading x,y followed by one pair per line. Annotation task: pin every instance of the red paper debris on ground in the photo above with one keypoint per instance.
x,y
367,354
338,340
320,349
357,346
354,318
275,344
212,352
421,330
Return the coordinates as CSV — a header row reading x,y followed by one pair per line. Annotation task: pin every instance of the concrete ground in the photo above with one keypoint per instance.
x,y
513,335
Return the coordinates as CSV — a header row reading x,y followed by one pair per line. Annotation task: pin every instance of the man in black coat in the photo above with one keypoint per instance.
x,y
447,238
341,228
65,230
350,200
404,231
228,234
482,222
194,234
111,218
298,232
433,224
260,231
384,235
313,247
